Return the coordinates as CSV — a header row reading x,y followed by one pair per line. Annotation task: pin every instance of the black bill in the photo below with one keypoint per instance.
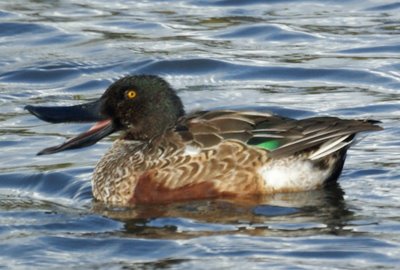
x,y
89,112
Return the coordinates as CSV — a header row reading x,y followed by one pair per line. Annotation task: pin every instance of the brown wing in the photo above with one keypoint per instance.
x,y
325,135
209,128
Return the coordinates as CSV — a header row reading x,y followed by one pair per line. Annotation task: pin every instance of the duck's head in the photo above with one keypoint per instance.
x,y
144,106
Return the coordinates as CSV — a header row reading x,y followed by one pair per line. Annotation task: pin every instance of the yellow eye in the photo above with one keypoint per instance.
x,y
131,94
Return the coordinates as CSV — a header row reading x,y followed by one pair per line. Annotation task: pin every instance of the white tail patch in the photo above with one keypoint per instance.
x,y
290,174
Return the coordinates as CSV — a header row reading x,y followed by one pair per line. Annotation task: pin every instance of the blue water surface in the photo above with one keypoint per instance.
x,y
295,58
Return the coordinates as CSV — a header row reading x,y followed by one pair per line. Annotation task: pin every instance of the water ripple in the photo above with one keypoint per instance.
x,y
232,71
375,49
274,33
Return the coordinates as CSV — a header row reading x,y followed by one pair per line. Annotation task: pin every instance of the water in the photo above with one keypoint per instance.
x,y
296,58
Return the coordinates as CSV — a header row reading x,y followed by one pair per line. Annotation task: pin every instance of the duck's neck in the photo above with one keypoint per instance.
x,y
146,130
145,134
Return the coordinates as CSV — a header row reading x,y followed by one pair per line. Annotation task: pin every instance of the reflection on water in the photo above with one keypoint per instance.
x,y
295,58
306,213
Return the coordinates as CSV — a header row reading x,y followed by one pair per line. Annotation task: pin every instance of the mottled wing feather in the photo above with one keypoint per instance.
x,y
207,139
207,129
321,130
210,128
243,136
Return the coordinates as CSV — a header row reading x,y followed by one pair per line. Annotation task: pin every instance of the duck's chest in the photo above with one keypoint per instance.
x,y
116,172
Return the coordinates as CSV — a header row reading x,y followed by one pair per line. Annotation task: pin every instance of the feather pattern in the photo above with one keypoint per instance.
x,y
215,154
211,128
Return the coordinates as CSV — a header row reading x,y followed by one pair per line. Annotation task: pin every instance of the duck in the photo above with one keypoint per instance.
x,y
164,155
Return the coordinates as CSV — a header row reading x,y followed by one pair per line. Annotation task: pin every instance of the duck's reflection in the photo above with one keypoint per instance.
x,y
292,214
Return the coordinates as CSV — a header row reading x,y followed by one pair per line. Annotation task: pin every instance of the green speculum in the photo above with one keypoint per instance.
x,y
269,145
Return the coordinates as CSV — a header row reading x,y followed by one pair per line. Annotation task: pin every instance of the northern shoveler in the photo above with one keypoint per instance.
x,y
165,155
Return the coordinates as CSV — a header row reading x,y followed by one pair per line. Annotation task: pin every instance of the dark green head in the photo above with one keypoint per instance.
x,y
143,106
